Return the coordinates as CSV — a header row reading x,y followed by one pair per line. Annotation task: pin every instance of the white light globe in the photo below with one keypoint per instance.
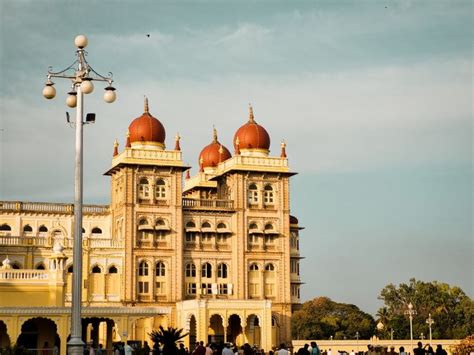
x,y
86,86
49,92
80,41
109,95
71,100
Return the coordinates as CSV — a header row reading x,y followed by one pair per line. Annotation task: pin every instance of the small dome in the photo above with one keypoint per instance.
x,y
146,129
213,153
251,135
6,264
293,220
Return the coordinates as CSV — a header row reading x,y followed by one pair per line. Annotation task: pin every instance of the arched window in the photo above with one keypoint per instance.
x,y
160,269
253,226
40,266
221,226
27,228
253,267
190,270
83,230
253,194
190,225
16,266
206,270
70,269
269,267
160,222
5,228
143,269
160,189
206,225
268,195
143,189
96,230
42,229
268,227
96,270
222,271
113,270
143,222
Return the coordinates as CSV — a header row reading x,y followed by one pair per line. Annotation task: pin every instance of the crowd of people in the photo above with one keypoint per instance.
x,y
372,350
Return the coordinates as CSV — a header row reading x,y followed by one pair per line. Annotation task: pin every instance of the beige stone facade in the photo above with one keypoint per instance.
x,y
216,254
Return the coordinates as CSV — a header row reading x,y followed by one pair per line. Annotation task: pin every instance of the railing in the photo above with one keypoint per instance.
x,y
15,274
104,243
46,207
25,241
207,204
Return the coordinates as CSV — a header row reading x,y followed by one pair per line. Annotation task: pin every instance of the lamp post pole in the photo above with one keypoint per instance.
x,y
81,74
411,312
357,344
430,322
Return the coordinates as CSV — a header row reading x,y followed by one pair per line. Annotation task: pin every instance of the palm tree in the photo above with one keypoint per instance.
x,y
168,338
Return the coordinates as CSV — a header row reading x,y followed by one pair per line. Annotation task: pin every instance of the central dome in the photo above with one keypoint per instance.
x,y
146,129
251,135
213,154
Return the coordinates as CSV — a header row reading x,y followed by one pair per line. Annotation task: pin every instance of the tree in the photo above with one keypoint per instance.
x,y
466,346
322,318
168,338
451,309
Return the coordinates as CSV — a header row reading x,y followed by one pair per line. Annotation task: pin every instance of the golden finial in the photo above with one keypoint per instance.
x,y
283,149
146,104
201,162
251,117
116,144
177,146
127,144
237,146
214,134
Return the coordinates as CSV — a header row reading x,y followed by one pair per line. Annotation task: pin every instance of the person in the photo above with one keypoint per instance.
x,y
45,349
226,350
392,351
402,351
304,350
315,349
209,349
419,350
282,350
182,349
440,350
146,348
430,350
91,349
199,349
329,352
352,352
128,349
100,350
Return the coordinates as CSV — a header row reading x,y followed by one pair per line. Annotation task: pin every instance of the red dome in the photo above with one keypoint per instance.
x,y
213,153
251,135
147,128
293,220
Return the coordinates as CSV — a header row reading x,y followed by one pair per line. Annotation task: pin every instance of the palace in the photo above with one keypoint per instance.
x,y
216,254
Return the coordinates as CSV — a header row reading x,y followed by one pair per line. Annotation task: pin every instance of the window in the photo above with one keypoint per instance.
x,y
268,195
70,269
190,270
16,266
294,241
269,289
253,194
223,289
253,238
143,287
295,291
270,239
42,229
5,227
160,288
143,222
191,288
27,228
269,267
143,269
206,225
221,226
40,266
160,189
143,189
253,289
206,288
160,269
222,238
96,270
222,271
190,225
191,237
206,237
254,267
113,270
206,270
96,230
83,230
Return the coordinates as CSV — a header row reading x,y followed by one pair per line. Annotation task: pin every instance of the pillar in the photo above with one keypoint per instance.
x,y
108,343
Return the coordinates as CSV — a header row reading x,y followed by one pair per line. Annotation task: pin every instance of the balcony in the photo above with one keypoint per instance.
x,y
66,242
208,205
53,208
24,275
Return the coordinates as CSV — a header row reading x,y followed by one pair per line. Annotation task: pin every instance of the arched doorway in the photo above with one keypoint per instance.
x,y
97,331
4,338
216,330
252,330
234,330
39,333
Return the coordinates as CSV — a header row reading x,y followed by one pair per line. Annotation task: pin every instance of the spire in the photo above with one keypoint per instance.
x,y
221,151
283,149
128,144
237,146
201,161
214,134
188,174
116,144
177,145
251,117
146,105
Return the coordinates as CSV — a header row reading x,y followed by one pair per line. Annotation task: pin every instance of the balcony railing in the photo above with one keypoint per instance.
x,y
46,207
24,275
25,241
207,204
66,242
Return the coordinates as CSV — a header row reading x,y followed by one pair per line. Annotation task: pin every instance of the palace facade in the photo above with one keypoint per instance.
x,y
216,253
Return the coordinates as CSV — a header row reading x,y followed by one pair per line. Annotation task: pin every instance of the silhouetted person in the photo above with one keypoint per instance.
x,y
440,350
402,351
419,350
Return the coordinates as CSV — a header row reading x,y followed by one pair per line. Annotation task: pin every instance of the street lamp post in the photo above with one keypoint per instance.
x,y
357,344
81,76
430,322
411,312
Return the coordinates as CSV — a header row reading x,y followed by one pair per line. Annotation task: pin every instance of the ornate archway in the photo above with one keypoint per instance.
x,y
39,333
216,329
234,330
4,338
253,331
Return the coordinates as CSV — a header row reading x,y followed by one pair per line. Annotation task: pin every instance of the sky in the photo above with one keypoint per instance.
x,y
374,100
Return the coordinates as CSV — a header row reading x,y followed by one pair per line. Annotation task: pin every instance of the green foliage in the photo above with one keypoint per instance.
x,y
465,347
451,309
168,338
15,350
322,318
